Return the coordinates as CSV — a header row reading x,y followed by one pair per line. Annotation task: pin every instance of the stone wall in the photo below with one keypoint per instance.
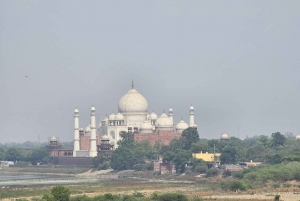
x,y
85,141
164,137
73,161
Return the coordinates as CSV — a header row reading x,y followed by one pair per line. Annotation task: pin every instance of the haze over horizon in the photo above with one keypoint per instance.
x,y
237,62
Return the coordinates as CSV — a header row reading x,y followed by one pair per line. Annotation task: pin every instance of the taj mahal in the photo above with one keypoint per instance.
x,y
132,117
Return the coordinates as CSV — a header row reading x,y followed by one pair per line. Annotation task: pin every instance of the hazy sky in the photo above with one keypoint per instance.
x,y
237,62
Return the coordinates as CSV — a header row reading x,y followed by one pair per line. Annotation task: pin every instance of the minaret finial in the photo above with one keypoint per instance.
x,y
132,85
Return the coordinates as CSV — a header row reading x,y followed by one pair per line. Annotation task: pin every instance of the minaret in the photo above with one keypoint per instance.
x,y
76,132
171,114
93,146
192,122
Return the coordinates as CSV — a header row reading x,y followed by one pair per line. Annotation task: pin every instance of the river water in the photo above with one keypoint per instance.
x,y
29,179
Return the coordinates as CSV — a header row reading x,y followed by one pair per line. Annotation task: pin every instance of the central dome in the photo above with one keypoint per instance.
x,y
133,102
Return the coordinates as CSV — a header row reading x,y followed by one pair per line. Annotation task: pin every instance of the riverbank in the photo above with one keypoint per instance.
x,y
93,183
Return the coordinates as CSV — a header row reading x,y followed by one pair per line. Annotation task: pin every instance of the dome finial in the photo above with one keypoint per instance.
x,y
132,85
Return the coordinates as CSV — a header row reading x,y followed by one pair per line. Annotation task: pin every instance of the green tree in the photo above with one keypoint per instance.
x,y
278,139
199,146
126,139
13,154
256,153
60,193
2,153
131,153
40,155
168,156
189,136
264,141
182,157
228,155
101,162
175,144
122,158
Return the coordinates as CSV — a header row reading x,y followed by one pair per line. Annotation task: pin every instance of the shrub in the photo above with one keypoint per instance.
x,y
276,185
237,185
169,197
227,173
201,168
104,166
197,199
48,197
61,193
224,186
277,197
138,167
211,172
150,166
81,198
138,194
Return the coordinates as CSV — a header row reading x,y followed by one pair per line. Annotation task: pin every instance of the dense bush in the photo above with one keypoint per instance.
x,y
201,168
169,197
237,185
60,193
211,172
81,198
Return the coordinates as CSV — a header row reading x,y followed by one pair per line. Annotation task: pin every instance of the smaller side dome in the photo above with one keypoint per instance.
x,y
191,108
53,138
298,137
153,116
224,136
146,127
88,128
80,129
112,117
93,109
105,137
119,117
76,110
170,110
182,125
164,122
105,119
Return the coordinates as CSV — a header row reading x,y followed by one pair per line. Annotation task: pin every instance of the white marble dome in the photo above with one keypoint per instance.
x,y
224,136
133,102
119,117
112,117
105,137
146,127
181,126
163,121
53,138
191,108
153,116
88,128
105,119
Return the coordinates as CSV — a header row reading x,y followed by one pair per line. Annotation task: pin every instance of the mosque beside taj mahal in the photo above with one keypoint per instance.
x,y
132,117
